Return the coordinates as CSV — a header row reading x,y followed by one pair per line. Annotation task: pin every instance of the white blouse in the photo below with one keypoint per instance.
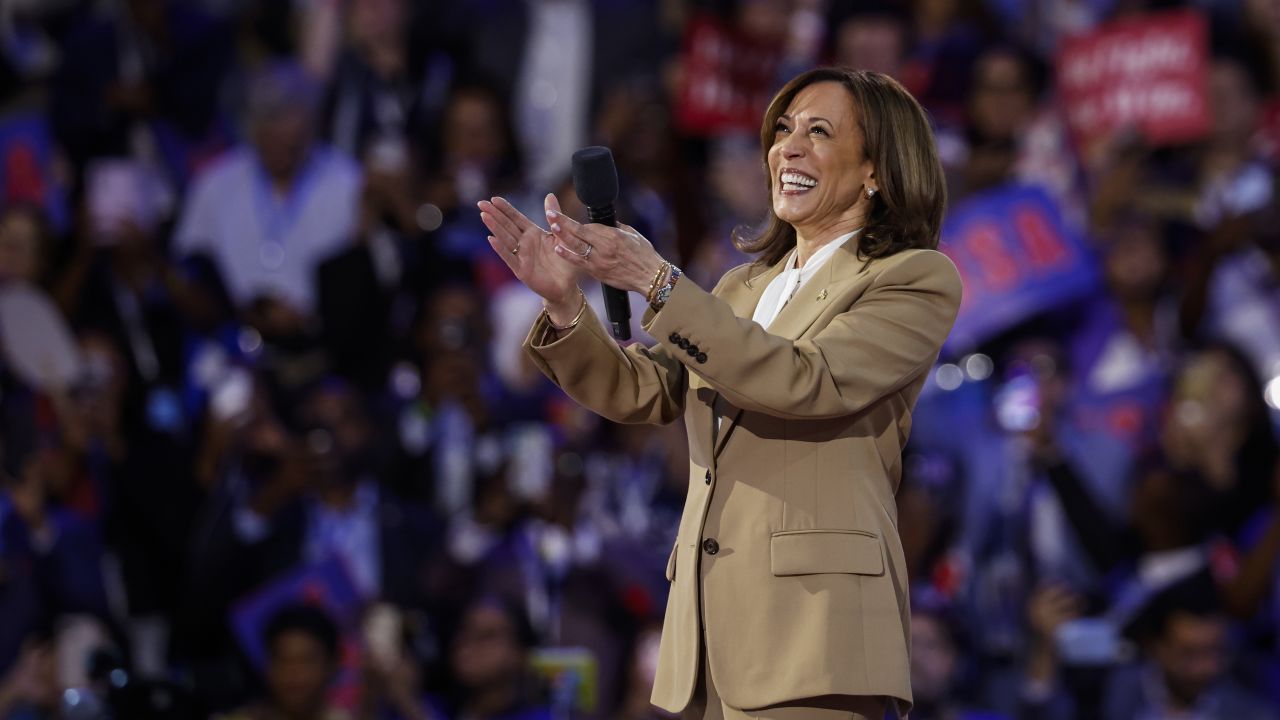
x,y
784,287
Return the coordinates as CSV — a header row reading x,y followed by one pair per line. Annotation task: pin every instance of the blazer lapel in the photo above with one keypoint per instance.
x,y
743,300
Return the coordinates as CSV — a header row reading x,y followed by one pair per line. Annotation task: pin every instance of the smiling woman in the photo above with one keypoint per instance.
x,y
851,123
796,377
818,168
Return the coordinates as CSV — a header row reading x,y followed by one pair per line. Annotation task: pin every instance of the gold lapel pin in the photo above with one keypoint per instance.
x,y
822,295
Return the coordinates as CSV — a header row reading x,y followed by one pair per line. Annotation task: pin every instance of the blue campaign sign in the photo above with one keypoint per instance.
x,y
26,162
1017,258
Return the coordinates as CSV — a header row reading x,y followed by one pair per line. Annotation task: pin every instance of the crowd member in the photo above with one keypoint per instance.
x,y
307,491
1003,100
1126,343
136,81
381,274
872,36
29,691
947,36
476,156
488,660
1186,651
303,652
51,557
1168,535
387,89
557,62
1182,665
25,245
270,211
398,646
939,665
295,493
449,428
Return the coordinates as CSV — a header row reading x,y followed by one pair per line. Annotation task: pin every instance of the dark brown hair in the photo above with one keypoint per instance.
x,y
906,211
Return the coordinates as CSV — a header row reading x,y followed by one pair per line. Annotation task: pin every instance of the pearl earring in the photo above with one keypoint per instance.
x,y
870,193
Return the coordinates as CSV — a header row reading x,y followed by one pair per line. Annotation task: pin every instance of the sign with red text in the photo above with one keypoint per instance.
x,y
1016,259
727,79
1149,72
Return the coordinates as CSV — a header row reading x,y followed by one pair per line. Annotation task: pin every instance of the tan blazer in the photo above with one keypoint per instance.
x,y
788,552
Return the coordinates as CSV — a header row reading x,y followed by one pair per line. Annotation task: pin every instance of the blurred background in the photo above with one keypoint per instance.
x,y
270,447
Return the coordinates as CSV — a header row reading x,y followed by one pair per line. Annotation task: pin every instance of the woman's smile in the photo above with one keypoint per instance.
x,y
795,182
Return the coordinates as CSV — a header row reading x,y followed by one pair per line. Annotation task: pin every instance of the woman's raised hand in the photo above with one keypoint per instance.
x,y
616,256
530,251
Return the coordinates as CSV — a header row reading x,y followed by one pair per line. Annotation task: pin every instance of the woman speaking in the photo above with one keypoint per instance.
x,y
796,376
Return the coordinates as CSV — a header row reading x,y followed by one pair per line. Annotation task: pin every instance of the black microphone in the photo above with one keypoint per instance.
x,y
595,180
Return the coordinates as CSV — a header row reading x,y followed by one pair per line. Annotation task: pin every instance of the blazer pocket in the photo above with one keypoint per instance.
x,y
671,563
808,552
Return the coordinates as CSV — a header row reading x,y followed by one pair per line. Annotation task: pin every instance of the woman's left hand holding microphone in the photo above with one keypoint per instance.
x,y
549,262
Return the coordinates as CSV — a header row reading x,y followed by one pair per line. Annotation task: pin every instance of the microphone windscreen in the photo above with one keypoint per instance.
x,y
595,178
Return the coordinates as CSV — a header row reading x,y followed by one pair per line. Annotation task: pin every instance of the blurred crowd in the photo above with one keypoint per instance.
x,y
271,448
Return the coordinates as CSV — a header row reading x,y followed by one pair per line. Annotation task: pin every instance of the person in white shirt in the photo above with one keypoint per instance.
x,y
267,213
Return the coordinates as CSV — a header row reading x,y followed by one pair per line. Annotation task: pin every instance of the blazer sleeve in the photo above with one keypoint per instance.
x,y
892,332
635,384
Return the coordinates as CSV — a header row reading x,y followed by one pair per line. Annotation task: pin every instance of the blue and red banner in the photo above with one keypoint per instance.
x,y
1017,258
26,168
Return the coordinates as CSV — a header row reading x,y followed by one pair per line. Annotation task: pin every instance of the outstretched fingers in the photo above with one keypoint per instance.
x,y
498,223
517,219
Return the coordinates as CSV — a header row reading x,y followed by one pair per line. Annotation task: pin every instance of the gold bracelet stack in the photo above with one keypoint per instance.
x,y
656,284
576,318
664,291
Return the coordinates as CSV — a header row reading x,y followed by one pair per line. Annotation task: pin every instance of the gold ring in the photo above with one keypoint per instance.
x,y
516,250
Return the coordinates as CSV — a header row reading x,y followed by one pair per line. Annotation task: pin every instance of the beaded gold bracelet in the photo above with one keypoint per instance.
x,y
656,284
664,292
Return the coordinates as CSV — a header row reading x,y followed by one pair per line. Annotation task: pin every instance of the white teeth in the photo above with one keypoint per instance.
x,y
797,180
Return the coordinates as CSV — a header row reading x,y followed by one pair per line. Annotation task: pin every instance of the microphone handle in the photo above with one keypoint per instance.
x,y
616,305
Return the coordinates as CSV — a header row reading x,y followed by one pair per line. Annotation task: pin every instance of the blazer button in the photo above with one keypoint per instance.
x,y
708,477
693,351
675,337
683,343
702,357
711,546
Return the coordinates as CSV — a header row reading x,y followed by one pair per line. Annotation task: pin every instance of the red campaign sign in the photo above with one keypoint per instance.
x,y
727,79
1149,72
